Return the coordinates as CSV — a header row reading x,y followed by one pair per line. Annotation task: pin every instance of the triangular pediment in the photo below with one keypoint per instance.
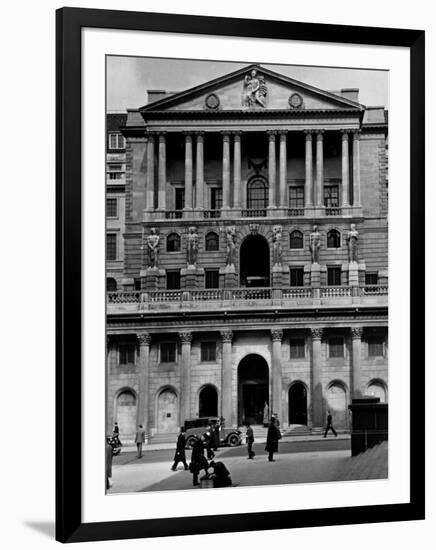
x,y
249,89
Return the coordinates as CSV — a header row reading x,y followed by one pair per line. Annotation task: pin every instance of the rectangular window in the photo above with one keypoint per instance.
x,y
115,167
331,196
334,276
117,141
180,198
297,276
371,278
168,352
173,279
375,346
111,247
298,349
212,278
336,347
115,175
216,198
127,354
111,208
208,351
296,197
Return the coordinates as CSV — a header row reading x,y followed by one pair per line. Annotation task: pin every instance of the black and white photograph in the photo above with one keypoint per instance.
x,y
247,274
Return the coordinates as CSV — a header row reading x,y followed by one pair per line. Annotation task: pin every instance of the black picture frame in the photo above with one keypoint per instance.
x,y
69,22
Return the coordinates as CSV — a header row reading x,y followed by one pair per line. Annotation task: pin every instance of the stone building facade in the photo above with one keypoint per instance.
x,y
255,256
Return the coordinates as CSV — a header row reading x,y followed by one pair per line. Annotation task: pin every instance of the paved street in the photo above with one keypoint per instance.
x,y
297,462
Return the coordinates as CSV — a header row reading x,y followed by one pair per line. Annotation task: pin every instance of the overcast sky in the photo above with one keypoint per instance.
x,y
130,77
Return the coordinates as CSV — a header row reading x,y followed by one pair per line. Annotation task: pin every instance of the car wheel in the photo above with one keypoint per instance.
x,y
233,440
190,442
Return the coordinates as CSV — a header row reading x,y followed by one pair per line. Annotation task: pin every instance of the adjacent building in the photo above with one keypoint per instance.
x,y
253,274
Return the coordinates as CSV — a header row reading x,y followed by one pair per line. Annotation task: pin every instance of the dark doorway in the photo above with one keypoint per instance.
x,y
254,261
252,389
208,402
298,404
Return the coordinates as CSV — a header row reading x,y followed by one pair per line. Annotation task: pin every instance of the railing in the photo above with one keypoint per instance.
x,y
254,213
124,297
374,290
212,213
296,292
333,211
173,214
209,294
296,212
336,291
164,296
251,293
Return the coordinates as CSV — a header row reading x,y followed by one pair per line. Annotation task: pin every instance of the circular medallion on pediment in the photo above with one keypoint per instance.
x,y
212,101
295,101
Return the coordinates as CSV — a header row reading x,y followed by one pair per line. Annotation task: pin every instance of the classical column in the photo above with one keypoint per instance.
x,y
356,336
237,170
356,169
319,168
317,393
308,172
226,171
283,168
272,168
185,376
276,336
188,172
149,193
144,340
199,173
227,376
345,170
110,362
162,177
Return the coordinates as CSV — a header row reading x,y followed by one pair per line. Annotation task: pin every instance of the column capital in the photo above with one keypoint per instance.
x,y
283,134
316,333
356,333
185,337
226,135
345,132
198,134
144,338
356,134
309,133
319,134
227,336
162,137
150,134
188,135
276,334
236,133
271,134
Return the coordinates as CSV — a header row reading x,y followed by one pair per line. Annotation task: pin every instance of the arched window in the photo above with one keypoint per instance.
x,y
212,241
173,242
377,388
333,239
296,239
111,284
257,194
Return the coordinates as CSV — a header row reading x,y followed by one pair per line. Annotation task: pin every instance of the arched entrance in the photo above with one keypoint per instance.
x,y
298,404
208,402
254,261
337,404
126,413
167,411
376,388
252,389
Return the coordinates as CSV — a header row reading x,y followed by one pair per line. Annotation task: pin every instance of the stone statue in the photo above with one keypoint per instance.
x,y
352,238
255,90
231,245
153,248
192,246
277,245
315,244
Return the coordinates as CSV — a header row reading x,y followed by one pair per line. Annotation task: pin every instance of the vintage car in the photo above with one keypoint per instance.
x,y
196,427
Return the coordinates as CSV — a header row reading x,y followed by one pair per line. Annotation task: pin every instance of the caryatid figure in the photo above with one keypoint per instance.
x,y
315,244
192,247
277,245
352,237
153,248
231,245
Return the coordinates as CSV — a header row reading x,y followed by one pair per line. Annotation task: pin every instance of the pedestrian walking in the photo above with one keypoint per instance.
x,y
180,455
216,435
116,434
209,442
265,414
330,425
139,439
221,476
272,440
108,463
198,460
249,437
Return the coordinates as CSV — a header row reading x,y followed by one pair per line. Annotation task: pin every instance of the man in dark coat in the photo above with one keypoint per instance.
x,y
198,460
216,435
221,476
249,435
180,455
329,425
108,463
139,439
209,442
272,440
